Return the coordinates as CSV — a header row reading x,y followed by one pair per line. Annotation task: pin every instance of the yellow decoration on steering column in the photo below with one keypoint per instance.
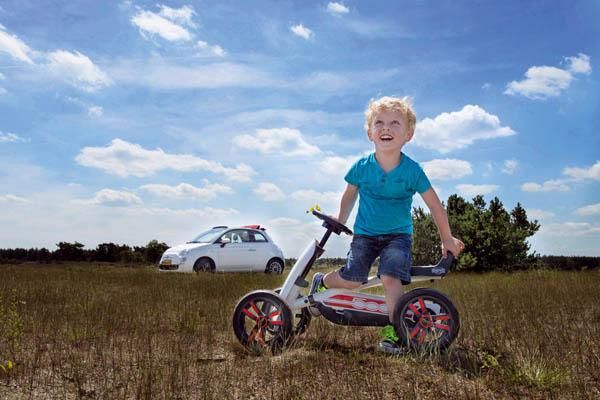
x,y
315,207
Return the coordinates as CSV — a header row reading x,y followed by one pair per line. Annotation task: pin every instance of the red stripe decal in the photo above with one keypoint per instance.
x,y
440,326
349,306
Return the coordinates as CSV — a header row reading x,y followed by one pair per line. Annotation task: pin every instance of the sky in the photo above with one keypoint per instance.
x,y
127,121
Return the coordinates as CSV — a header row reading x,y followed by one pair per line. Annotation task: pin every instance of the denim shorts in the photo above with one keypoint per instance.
x,y
394,253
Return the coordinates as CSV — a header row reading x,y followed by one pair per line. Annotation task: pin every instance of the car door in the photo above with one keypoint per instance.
x,y
233,256
262,252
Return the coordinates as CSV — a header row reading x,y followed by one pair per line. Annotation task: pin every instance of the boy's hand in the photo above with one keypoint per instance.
x,y
453,245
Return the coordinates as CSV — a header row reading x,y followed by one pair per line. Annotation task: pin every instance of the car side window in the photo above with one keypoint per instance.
x,y
237,236
259,237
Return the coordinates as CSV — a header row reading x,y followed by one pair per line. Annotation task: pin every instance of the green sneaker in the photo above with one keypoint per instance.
x,y
388,332
389,344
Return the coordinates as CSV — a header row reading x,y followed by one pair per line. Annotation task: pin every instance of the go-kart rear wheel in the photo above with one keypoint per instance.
x,y
426,319
262,322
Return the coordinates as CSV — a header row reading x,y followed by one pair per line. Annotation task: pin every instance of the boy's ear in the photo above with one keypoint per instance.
x,y
369,135
410,135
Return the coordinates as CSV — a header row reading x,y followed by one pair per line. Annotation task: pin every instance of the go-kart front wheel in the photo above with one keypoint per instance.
x,y
426,319
262,322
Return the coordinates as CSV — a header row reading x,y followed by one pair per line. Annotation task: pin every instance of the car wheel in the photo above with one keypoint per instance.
x,y
274,266
204,264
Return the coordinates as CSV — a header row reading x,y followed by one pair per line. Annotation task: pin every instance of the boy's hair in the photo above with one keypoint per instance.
x,y
387,103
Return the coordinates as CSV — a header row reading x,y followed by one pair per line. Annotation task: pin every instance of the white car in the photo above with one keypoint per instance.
x,y
222,248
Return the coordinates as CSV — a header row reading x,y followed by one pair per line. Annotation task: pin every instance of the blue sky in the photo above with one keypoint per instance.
x,y
134,120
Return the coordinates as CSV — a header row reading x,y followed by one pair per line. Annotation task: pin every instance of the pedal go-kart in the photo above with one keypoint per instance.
x,y
268,320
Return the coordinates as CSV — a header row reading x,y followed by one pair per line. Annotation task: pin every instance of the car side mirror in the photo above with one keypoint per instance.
x,y
224,241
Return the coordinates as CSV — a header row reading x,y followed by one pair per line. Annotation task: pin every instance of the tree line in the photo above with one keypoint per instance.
x,y
495,239
104,252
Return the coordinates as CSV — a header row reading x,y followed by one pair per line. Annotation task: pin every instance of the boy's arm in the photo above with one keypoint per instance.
x,y
347,203
449,242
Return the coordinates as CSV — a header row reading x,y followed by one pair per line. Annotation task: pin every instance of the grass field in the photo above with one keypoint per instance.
x,y
103,332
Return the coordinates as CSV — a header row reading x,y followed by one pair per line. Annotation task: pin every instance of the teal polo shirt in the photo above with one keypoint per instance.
x,y
385,199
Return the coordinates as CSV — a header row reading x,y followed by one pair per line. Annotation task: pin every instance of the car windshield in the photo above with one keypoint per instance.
x,y
208,236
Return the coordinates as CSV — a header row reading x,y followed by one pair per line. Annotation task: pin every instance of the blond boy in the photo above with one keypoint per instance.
x,y
385,182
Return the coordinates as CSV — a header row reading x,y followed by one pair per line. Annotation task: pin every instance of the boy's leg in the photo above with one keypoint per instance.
x,y
334,280
393,291
363,251
394,268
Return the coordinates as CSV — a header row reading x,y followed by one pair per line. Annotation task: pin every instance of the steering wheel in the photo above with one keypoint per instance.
x,y
330,223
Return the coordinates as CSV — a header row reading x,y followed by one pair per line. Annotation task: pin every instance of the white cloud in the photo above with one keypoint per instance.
x,y
125,159
181,15
510,166
283,221
77,69
12,138
569,229
580,64
185,190
334,165
474,190
542,82
161,74
14,47
592,172
95,111
311,197
592,209
215,50
555,185
284,141
302,31
269,192
110,197
538,214
336,9
207,212
459,129
486,86
14,199
2,77
447,169
162,25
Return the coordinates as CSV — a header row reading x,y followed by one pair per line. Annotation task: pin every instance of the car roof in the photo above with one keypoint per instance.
x,y
254,227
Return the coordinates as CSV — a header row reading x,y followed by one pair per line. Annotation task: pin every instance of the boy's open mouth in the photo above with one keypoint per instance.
x,y
386,138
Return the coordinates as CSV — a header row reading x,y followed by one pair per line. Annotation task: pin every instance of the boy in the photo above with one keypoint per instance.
x,y
386,181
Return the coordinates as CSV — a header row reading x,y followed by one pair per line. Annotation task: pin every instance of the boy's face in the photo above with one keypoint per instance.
x,y
389,130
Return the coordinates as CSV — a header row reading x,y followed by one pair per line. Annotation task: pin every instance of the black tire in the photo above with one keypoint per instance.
x,y
301,318
274,266
426,319
262,322
204,264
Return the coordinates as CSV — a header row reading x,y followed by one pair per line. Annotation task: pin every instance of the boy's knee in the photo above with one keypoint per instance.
x,y
390,281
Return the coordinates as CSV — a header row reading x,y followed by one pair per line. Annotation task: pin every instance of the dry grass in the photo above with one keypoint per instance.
x,y
101,332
